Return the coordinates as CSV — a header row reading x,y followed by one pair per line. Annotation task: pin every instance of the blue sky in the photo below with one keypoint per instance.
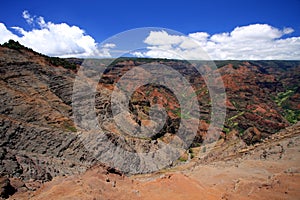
x,y
103,19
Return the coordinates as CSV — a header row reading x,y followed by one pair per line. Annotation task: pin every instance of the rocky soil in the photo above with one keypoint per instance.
x,y
42,147
269,170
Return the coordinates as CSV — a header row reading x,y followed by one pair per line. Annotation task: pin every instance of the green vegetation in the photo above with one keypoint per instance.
x,y
226,130
279,64
236,116
114,62
234,104
240,130
14,45
148,92
53,60
231,124
283,96
192,153
69,127
196,144
235,63
146,109
61,62
182,159
179,114
290,114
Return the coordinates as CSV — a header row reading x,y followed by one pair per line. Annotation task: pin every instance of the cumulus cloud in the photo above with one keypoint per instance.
x,y
5,34
253,42
158,38
256,32
55,39
164,45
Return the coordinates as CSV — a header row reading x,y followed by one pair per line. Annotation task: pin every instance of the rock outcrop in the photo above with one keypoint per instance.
x,y
39,140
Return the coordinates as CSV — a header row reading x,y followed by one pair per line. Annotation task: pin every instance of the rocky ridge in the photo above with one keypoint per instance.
x,y
40,141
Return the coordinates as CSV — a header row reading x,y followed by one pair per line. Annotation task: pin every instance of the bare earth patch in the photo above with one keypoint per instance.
x,y
270,170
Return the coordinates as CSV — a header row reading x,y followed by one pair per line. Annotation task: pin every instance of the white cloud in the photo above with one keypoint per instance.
x,y
158,38
5,34
287,30
109,45
255,41
27,17
200,36
256,32
138,54
55,39
163,45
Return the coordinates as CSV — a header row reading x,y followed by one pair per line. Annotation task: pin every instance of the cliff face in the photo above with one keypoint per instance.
x,y
38,138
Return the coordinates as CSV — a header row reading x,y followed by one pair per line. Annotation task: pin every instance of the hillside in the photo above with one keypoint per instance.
x,y
39,141
269,170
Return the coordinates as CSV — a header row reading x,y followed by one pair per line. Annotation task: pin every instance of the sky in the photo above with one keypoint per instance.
x,y
249,29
